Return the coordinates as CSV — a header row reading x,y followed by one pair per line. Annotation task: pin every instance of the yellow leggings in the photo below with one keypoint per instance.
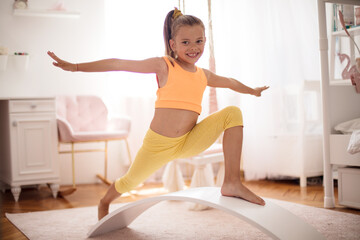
x,y
157,150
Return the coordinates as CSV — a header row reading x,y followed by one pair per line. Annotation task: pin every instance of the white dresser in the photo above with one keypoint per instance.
x,y
28,143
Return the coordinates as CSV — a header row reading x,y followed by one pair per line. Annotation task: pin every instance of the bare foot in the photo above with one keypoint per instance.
x,y
240,191
103,210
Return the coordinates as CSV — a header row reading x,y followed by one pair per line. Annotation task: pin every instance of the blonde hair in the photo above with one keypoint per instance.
x,y
173,22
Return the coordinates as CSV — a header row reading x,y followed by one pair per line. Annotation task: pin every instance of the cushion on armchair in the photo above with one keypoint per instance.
x,y
85,118
84,113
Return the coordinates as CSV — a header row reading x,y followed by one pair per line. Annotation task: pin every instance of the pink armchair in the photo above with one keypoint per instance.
x,y
83,119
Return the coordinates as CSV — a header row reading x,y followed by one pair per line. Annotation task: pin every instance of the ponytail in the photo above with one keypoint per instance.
x,y
167,33
173,21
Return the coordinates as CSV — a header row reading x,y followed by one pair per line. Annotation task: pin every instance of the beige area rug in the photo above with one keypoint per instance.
x,y
172,220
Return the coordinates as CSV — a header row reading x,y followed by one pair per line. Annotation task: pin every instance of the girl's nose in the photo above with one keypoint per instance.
x,y
193,46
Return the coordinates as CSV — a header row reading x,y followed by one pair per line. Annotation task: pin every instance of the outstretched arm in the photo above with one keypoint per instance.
x,y
223,82
151,65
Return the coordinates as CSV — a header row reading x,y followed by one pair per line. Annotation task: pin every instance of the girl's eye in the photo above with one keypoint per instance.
x,y
185,42
199,41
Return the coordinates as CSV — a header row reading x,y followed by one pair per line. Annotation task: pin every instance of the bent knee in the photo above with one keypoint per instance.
x,y
233,117
124,184
232,110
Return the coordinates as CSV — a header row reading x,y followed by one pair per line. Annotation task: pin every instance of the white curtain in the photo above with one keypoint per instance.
x,y
275,43
259,42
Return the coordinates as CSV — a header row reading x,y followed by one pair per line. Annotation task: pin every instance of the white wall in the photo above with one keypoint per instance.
x,y
80,39
76,40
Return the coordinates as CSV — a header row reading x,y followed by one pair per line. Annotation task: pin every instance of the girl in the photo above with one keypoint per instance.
x,y
174,131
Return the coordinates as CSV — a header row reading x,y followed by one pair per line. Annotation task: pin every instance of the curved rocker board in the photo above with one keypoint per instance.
x,y
271,219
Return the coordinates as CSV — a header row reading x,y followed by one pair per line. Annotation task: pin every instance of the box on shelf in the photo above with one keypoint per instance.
x,y
21,62
348,187
3,62
357,16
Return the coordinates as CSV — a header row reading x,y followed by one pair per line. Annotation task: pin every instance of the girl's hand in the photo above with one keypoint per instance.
x,y
62,64
258,90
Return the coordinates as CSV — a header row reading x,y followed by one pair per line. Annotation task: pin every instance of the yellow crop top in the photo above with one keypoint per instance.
x,y
183,89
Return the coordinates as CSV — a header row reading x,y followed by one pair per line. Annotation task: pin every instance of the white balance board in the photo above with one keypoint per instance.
x,y
271,219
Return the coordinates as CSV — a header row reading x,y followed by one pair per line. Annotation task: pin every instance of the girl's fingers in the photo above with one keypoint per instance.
x,y
53,56
60,63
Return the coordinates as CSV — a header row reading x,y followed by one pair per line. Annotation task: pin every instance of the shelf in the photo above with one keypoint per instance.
x,y
46,13
341,82
352,31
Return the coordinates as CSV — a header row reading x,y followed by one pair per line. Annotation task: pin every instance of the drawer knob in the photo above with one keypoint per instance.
x,y
14,123
33,106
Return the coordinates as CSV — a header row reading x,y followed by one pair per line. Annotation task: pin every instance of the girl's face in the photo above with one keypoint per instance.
x,y
188,44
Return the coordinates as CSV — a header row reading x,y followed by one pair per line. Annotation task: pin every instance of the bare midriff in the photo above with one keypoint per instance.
x,y
171,122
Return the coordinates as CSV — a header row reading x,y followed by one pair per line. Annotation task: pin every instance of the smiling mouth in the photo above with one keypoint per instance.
x,y
192,55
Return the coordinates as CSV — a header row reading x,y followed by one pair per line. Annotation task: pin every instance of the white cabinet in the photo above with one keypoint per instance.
x,y
28,139
340,103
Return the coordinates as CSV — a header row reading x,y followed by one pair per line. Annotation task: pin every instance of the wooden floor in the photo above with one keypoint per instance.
x,y
33,199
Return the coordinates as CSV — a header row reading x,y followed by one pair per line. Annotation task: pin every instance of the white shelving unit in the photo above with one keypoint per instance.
x,y
340,103
46,13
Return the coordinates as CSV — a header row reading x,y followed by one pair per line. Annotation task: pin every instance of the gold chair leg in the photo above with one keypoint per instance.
x,y
128,150
104,178
73,164
69,191
106,159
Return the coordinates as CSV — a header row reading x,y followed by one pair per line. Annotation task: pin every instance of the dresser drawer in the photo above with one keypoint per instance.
x,y
22,106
